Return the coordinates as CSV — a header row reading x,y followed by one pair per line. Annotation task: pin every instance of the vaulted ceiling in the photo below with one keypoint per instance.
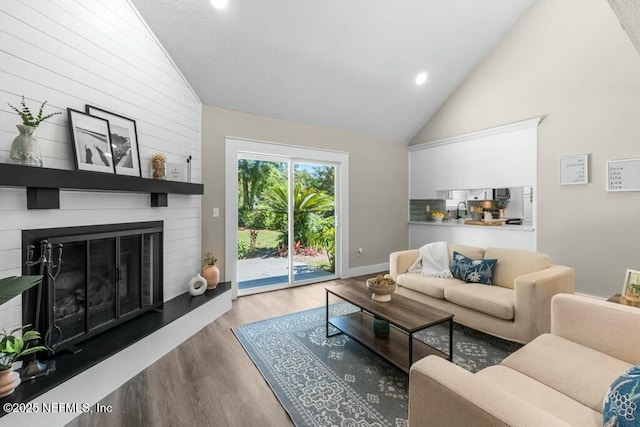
x,y
346,64
628,13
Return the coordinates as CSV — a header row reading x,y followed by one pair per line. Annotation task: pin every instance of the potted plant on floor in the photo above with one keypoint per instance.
x,y
210,271
12,348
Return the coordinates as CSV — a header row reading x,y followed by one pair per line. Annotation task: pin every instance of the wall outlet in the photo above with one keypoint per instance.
x,y
216,212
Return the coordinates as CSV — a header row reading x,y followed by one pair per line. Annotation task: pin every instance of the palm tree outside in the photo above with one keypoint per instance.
x,y
263,227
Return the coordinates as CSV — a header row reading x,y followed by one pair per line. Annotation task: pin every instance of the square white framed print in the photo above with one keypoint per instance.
x,y
623,175
573,170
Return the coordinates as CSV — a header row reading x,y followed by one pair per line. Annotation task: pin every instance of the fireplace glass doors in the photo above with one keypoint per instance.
x,y
108,275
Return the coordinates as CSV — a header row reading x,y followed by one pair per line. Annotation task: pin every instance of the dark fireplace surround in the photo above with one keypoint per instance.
x,y
124,329
109,274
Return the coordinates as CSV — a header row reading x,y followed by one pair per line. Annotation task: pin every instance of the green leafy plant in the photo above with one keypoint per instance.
x,y
13,347
243,249
323,234
209,258
27,117
305,202
11,287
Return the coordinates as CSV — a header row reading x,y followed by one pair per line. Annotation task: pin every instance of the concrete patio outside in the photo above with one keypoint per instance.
x,y
264,271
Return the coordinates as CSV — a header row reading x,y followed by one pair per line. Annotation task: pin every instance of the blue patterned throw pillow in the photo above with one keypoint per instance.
x,y
472,270
620,408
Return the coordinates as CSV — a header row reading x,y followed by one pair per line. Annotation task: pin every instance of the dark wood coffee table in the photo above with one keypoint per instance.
x,y
406,316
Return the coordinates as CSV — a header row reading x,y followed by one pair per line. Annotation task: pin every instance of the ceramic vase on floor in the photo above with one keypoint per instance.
x,y
25,149
212,274
9,380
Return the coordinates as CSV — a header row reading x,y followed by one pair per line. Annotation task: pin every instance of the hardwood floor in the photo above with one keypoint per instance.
x,y
209,380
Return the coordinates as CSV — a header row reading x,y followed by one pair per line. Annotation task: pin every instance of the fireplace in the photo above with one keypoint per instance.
x,y
95,277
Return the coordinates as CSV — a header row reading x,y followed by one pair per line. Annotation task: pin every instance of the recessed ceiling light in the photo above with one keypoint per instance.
x,y
421,78
219,4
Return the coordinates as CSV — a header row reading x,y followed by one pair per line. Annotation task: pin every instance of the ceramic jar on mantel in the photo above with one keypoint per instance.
x,y
211,273
25,149
158,166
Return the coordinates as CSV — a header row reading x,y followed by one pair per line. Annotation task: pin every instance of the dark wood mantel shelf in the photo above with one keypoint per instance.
x,y
44,184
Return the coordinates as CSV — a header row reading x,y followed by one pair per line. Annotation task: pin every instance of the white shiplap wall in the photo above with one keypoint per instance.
x,y
97,52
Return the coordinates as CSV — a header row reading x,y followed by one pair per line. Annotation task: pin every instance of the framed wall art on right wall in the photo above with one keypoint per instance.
x,y
631,288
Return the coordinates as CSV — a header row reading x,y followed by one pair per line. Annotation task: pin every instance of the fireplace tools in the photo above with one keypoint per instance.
x,y
48,268
54,333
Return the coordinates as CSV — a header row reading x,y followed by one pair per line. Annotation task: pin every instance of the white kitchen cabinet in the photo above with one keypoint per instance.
x,y
500,157
494,158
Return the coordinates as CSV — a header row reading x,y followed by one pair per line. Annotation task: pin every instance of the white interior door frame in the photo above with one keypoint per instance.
x,y
234,147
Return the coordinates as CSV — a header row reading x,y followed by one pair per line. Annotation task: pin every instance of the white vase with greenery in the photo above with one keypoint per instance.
x,y
25,149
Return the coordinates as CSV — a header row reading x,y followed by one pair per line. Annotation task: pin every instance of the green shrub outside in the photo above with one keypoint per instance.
x,y
243,249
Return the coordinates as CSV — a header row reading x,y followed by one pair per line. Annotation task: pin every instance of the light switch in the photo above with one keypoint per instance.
x,y
216,212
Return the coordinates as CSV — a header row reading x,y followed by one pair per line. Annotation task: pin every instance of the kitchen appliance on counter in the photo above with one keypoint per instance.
x,y
501,194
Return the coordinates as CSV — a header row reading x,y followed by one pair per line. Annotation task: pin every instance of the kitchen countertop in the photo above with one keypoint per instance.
x,y
455,223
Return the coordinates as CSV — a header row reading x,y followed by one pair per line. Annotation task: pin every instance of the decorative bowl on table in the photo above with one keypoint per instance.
x,y
381,288
437,216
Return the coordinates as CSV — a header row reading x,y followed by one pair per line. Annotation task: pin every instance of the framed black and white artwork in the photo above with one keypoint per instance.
x,y
91,140
124,141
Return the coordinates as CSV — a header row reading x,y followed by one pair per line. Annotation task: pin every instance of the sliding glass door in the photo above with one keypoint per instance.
x,y
314,240
286,222
263,259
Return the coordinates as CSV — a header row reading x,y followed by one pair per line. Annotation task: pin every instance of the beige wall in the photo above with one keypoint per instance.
x,y
570,60
378,188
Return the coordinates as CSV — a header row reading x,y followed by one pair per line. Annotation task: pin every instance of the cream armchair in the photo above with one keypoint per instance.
x,y
559,378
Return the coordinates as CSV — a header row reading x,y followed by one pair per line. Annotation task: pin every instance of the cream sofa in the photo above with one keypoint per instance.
x,y
516,307
559,378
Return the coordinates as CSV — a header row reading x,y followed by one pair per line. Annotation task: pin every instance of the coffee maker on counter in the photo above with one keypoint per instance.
x,y
494,207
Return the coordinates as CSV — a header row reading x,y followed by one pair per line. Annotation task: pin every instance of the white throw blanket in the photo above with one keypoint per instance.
x,y
433,261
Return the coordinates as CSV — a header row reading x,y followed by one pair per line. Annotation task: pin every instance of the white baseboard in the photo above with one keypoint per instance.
x,y
98,381
366,269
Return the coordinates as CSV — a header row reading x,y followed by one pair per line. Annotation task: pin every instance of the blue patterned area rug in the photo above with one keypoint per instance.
x,y
336,381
